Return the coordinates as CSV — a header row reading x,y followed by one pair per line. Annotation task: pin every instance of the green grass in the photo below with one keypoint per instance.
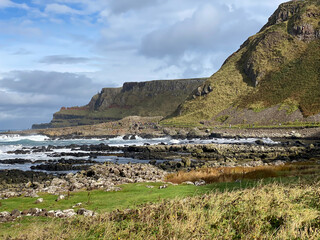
x,y
297,82
277,126
130,196
286,208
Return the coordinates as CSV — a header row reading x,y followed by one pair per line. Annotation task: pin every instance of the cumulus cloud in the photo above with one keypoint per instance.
x,y
63,59
10,4
113,6
212,28
56,83
28,97
60,9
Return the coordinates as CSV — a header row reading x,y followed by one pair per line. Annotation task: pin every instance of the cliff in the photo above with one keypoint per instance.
x,y
273,78
146,99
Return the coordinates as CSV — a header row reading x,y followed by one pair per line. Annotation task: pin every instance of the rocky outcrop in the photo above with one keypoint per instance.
x,y
146,99
102,176
38,212
104,99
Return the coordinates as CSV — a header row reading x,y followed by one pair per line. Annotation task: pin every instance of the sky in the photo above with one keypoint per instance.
x,y
56,53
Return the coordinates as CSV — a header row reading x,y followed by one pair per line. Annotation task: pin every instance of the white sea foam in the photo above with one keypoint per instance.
x,y
17,137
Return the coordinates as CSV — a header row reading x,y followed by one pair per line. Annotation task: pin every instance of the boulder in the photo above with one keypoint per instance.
x,y
200,183
163,186
69,213
39,200
61,197
85,212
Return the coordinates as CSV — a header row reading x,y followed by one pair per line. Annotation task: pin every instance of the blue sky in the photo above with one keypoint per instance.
x,y
57,53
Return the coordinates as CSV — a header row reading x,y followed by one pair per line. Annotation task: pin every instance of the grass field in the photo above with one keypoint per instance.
x,y
275,208
267,202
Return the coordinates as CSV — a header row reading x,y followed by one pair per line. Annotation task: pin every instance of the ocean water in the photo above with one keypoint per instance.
x,y
12,142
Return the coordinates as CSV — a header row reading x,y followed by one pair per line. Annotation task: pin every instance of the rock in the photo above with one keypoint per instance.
x,y
90,173
126,137
10,194
59,214
148,186
34,211
39,200
215,135
113,189
31,194
163,186
133,137
200,183
28,185
77,205
259,142
7,218
51,213
61,197
84,212
69,213
188,183
43,213
153,162
169,131
295,135
51,189
186,162
77,186
25,213
4,214
116,171
58,182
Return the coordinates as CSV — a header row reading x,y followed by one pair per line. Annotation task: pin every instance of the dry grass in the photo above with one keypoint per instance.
x,y
265,212
231,174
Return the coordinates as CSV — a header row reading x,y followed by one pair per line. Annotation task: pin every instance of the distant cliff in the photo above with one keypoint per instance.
x,y
148,99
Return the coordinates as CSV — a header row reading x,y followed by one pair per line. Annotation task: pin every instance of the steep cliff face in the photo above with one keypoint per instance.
x,y
147,99
276,72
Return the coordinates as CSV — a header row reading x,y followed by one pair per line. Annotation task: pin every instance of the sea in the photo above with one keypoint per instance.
x,y
12,142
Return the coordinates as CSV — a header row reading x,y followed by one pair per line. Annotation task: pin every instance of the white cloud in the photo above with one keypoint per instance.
x,y
10,4
200,43
60,9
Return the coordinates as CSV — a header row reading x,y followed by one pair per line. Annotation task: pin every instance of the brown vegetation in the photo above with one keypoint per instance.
x,y
231,174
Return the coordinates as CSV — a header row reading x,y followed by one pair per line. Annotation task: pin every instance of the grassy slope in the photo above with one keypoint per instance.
x,y
286,68
288,210
296,84
224,93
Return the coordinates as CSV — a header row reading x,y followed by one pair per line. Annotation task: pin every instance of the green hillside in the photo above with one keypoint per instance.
x,y
273,78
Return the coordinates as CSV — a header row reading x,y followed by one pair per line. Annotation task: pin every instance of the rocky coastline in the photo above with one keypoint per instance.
x,y
159,160
62,176
81,168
